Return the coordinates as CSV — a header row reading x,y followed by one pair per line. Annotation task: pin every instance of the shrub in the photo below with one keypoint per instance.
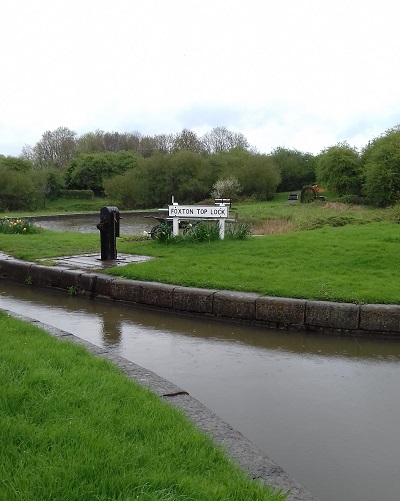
x,y
163,233
352,199
238,231
77,194
17,191
226,188
394,213
202,232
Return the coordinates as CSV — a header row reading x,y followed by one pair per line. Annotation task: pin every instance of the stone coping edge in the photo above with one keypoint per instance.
x,y
326,317
237,446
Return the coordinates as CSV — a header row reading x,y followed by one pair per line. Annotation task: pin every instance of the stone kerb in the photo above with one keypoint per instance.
x,y
237,305
15,271
380,318
45,276
193,299
124,290
157,294
332,315
325,316
281,312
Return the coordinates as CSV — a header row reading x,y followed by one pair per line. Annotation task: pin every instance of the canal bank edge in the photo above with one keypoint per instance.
x,y
237,446
325,317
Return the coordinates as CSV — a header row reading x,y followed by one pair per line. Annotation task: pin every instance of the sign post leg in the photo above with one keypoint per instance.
x,y
175,226
221,224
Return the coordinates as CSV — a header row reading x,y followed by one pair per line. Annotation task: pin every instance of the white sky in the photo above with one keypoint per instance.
x,y
301,74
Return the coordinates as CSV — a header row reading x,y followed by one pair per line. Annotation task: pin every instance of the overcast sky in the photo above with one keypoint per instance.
x,y
301,74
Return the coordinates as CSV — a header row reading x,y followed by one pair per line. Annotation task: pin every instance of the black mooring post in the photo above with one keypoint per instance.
x,y
109,230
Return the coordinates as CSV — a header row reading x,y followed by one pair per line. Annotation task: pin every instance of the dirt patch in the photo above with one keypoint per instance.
x,y
342,207
272,226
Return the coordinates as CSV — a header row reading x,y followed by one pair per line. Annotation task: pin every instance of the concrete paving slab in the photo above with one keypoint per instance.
x,y
93,261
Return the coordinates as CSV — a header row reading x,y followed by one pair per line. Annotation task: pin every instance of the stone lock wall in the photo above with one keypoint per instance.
x,y
273,312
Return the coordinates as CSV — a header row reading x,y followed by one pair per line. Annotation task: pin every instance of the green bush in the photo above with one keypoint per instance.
x,y
77,194
339,169
394,213
382,169
352,200
17,191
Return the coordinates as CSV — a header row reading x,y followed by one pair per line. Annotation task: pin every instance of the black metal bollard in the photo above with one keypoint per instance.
x,y
109,230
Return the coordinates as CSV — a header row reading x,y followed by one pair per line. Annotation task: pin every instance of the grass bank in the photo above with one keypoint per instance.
x,y
320,250
352,263
72,426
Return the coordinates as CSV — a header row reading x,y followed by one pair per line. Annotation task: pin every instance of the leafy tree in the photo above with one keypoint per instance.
x,y
297,168
143,187
226,188
89,170
16,163
90,142
17,190
164,143
185,178
221,139
187,140
100,141
382,168
148,146
56,148
259,177
339,169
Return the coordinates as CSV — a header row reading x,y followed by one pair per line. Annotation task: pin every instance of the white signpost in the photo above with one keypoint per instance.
x,y
196,212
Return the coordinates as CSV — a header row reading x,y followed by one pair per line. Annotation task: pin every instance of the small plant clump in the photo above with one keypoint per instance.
x,y
201,232
238,231
17,226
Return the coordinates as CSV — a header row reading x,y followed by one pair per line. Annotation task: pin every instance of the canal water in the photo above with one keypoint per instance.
x,y
131,223
326,409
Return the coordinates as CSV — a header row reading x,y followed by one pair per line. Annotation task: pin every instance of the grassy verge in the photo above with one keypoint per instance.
x,y
351,255
353,263
73,427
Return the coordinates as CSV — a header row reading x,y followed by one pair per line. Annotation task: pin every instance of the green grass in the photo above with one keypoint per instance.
x,y
351,256
297,216
354,263
72,426
49,244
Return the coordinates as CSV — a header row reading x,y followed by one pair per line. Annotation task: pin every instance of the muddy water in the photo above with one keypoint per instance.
x,y
326,409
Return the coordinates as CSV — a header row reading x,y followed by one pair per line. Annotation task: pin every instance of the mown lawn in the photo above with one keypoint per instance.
x,y
354,263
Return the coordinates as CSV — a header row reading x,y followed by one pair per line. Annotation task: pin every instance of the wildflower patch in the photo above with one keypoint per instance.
x,y
17,226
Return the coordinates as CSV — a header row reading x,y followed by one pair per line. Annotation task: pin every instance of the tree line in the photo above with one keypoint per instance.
x,y
137,171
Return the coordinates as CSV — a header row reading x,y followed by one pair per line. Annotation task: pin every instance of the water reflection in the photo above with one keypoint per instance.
x,y
324,408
